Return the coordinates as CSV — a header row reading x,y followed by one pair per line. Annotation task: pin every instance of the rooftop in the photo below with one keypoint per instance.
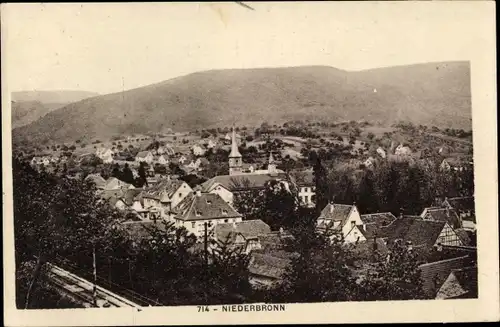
x,y
204,206
247,228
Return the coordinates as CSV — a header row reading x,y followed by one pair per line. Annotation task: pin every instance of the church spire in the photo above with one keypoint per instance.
x,y
234,147
271,158
235,157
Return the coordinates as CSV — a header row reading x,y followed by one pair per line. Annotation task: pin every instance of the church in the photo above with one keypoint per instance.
x,y
240,180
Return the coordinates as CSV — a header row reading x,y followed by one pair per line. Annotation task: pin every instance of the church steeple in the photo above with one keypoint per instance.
x,y
271,167
235,158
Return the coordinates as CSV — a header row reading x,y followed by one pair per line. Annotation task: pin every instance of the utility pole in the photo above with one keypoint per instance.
x,y
94,291
205,240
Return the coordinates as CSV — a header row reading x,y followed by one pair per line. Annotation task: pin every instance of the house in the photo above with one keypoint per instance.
x,y
36,161
199,210
45,161
198,150
211,144
443,214
97,180
192,165
166,195
166,150
212,186
455,163
266,270
420,233
340,220
460,284
162,160
465,208
369,162
144,156
182,159
402,150
381,152
304,183
243,235
114,183
105,154
435,274
463,205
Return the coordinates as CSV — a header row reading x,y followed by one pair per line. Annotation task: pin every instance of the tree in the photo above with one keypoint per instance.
x,y
318,272
274,204
321,184
142,180
127,175
397,278
367,200
116,172
53,217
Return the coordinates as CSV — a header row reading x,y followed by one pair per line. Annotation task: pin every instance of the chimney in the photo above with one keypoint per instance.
x,y
281,232
401,213
197,191
331,207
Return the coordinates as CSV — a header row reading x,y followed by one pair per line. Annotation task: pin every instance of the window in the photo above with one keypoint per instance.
x,y
224,211
193,224
226,220
180,194
353,223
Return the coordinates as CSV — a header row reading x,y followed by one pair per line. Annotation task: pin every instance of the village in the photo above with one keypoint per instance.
x,y
194,183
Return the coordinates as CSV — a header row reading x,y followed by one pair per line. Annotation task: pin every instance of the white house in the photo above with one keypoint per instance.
x,y
165,196
369,162
341,220
162,160
402,150
198,150
144,156
182,159
211,144
214,187
381,152
201,210
105,154
167,150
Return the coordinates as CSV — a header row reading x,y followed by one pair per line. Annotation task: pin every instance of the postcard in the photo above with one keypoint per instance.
x,y
249,162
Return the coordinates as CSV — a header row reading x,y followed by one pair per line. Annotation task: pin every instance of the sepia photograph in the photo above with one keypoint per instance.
x,y
249,157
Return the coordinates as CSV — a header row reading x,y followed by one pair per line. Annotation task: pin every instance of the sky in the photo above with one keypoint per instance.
x,y
106,47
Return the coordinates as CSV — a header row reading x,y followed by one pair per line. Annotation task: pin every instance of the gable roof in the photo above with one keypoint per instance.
x,y
131,195
443,214
143,154
365,250
247,228
336,212
203,207
461,203
97,179
165,186
138,230
243,181
267,265
421,233
113,183
434,274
